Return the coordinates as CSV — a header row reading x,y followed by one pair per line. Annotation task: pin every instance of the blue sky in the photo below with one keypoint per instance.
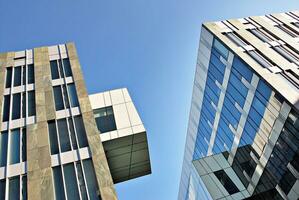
x,y
150,47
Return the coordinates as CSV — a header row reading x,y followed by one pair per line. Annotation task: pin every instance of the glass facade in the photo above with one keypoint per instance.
x,y
243,129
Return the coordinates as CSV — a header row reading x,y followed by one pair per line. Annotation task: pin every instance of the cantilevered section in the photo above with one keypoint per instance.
x,y
122,133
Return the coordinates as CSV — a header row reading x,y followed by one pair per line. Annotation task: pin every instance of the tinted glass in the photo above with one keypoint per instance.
x,y
24,75
2,189
71,185
14,188
63,135
24,142
3,148
17,76
81,134
226,182
58,183
105,119
24,104
54,69
53,137
90,179
24,188
66,99
8,77
73,136
67,67
30,73
6,106
81,181
58,98
73,95
60,69
16,106
31,103
14,150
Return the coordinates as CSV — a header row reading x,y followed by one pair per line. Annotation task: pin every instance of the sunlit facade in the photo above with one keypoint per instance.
x,y
243,131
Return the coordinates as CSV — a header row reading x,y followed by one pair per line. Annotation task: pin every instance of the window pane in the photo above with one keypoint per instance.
x,y
63,135
53,137
58,98
71,182
17,76
16,106
31,103
24,75
60,69
2,189
73,95
24,104
73,137
58,183
105,119
90,179
221,48
81,134
66,99
81,181
24,188
67,67
6,105
24,141
3,148
8,77
226,182
30,73
14,188
54,69
14,150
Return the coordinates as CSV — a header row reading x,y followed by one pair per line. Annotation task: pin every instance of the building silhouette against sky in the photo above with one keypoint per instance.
x,y
58,142
243,131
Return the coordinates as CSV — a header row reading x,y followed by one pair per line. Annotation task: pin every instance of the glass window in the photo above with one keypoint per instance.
x,y
105,119
53,137
70,182
8,77
58,183
73,136
54,69
260,59
67,67
215,73
63,135
221,48
24,104
6,106
66,99
24,75
73,95
2,189
81,181
31,103
14,146
81,134
16,106
58,98
236,39
24,144
226,182
30,73
216,62
14,188
17,76
3,148
60,69
242,68
90,179
24,188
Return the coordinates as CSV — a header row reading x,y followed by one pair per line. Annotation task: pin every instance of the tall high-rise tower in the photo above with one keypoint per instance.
x,y
243,131
56,141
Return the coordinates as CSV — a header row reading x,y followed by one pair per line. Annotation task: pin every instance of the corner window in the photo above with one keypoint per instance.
x,y
105,119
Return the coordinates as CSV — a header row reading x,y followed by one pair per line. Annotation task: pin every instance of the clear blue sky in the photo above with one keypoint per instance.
x,y
148,46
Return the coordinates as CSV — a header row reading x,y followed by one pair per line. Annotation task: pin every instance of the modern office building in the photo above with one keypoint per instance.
x,y
56,141
243,132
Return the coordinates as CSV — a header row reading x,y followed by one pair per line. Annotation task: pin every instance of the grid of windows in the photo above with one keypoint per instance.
x,y
12,147
65,96
60,68
22,105
67,134
75,181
